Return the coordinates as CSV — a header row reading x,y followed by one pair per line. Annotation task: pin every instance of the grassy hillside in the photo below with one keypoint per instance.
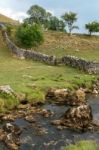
x,y
27,76
6,19
60,44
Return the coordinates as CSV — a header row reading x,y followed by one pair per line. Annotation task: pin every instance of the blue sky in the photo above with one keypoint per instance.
x,y
87,10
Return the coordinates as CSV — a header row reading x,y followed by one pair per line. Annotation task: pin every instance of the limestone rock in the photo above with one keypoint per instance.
x,y
6,89
78,117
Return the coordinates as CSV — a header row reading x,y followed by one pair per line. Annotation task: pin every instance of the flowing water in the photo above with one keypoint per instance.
x,y
53,138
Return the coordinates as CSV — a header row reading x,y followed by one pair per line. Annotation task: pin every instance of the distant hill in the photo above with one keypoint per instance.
x,y
5,19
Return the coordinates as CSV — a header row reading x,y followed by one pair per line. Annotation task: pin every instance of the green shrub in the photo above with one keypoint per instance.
x,y
29,35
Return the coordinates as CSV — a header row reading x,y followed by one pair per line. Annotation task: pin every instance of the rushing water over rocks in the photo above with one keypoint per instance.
x,y
40,134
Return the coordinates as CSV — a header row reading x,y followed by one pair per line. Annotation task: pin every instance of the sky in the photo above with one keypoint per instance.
x,y
87,10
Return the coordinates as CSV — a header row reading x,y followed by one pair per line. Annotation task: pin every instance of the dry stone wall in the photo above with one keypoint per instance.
x,y
22,53
87,66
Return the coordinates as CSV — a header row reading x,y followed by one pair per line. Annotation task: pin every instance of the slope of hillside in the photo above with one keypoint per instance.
x,y
6,19
59,44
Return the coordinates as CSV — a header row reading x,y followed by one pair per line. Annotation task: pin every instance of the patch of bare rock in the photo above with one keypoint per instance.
x,y
6,89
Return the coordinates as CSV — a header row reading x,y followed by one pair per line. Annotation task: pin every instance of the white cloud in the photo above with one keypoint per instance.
x,y
13,14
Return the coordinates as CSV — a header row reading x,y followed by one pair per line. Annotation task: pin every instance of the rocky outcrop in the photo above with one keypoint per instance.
x,y
77,118
63,96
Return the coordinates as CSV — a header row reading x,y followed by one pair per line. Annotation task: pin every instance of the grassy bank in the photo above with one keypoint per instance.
x,y
83,145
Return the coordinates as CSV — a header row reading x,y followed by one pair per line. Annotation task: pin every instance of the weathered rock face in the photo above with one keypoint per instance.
x,y
63,96
79,118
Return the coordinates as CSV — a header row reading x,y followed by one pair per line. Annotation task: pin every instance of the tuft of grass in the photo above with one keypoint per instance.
x,y
83,145
37,95
7,102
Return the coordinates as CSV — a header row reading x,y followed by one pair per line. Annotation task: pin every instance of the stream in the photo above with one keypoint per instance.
x,y
52,138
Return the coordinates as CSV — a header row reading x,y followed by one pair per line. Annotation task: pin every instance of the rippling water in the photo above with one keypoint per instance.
x,y
54,139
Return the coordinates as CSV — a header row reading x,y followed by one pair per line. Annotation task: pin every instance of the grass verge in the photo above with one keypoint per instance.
x,y
83,145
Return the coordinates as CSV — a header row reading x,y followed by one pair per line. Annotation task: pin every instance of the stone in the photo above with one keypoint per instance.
x,y
30,119
95,91
47,113
11,128
6,89
21,97
78,118
8,117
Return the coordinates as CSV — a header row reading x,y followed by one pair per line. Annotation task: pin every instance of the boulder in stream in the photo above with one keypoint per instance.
x,y
77,118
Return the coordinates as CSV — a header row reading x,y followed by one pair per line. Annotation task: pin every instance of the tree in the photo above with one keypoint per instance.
x,y
70,18
29,35
37,14
62,25
92,27
56,24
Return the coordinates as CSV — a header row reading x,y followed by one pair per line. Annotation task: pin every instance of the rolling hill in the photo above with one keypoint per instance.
x,y
5,19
